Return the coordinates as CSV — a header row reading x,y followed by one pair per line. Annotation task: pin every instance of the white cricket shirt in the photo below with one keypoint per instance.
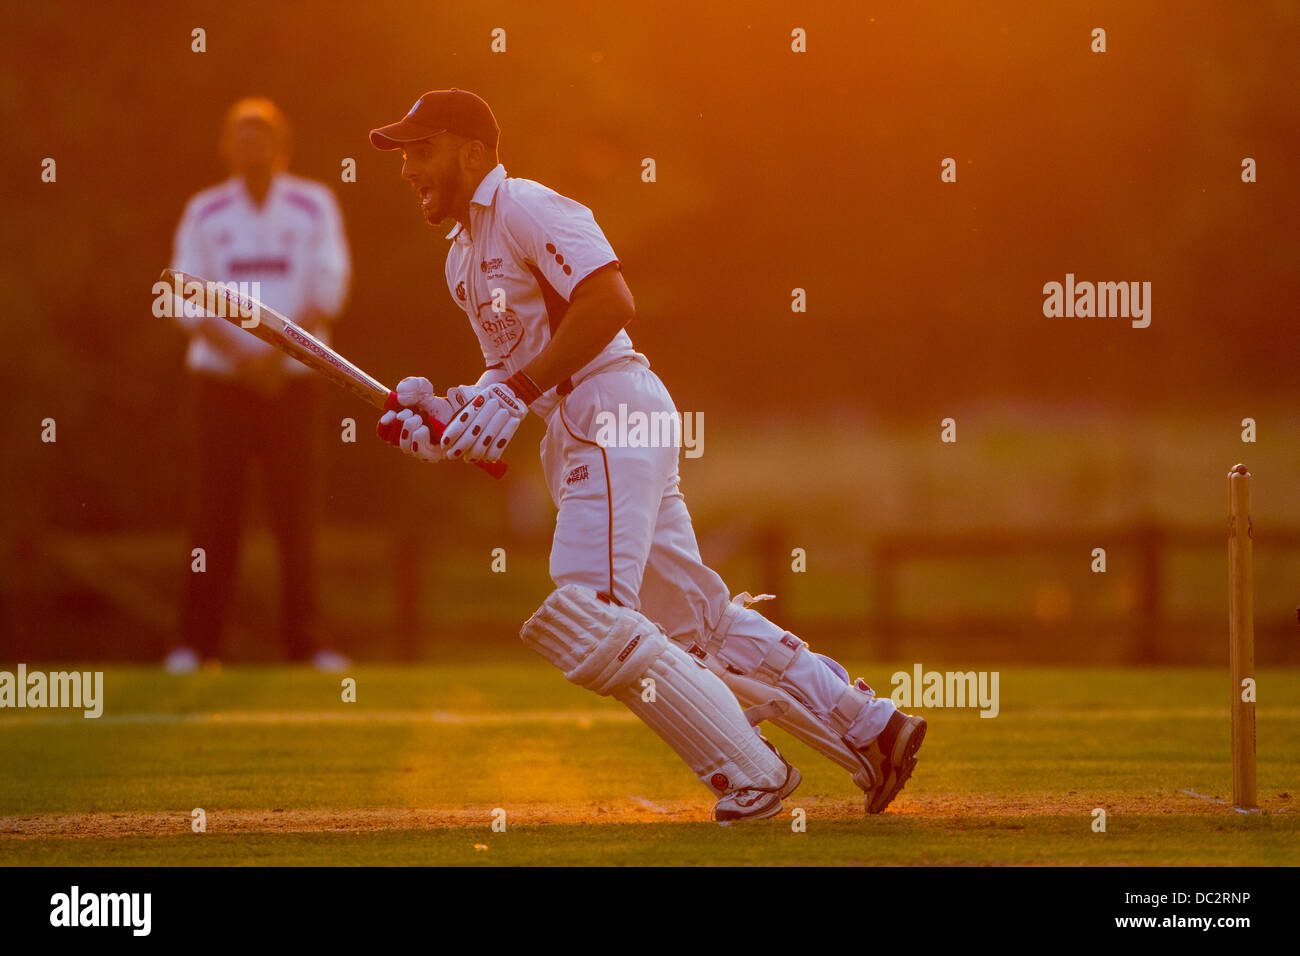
x,y
293,245
536,247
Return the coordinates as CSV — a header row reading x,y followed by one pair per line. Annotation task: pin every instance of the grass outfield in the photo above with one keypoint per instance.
x,y
411,774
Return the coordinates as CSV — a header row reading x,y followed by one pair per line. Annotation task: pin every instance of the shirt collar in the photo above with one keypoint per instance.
x,y
484,194
277,183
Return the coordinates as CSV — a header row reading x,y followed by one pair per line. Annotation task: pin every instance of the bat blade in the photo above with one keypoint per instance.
x,y
225,301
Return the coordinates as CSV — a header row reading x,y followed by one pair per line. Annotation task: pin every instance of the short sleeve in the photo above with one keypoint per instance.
x,y
554,233
330,269
190,253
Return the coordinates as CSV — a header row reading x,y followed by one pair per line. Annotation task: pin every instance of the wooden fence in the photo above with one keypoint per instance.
x,y
1148,623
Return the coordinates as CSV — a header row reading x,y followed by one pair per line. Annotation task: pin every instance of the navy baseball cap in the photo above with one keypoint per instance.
x,y
441,111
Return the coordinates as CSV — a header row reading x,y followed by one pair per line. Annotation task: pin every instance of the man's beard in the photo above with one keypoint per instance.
x,y
446,189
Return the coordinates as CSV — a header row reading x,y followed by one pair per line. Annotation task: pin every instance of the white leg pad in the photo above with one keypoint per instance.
x,y
783,709
616,651
754,668
602,647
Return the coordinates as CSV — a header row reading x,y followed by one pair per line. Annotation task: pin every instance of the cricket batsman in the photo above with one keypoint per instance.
x,y
635,614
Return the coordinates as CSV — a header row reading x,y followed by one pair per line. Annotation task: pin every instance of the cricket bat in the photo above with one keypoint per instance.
x,y
225,301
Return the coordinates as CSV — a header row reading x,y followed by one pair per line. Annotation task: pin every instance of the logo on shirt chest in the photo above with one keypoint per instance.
x,y
258,266
491,268
500,329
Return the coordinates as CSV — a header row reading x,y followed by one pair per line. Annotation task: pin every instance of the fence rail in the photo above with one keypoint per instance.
x,y
1150,540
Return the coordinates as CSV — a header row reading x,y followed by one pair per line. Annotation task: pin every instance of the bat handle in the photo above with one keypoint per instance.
x,y
496,469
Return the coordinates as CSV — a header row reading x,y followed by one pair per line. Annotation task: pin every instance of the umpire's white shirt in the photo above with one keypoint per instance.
x,y
515,269
293,245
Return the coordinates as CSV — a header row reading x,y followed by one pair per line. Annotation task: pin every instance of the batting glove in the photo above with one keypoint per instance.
x,y
413,408
481,429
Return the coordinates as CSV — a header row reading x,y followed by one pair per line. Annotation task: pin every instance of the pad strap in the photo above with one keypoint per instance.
x,y
713,640
847,708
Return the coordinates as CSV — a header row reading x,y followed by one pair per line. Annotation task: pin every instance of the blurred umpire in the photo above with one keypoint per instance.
x,y
250,402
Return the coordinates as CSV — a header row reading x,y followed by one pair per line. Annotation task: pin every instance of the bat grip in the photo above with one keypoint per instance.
x,y
496,469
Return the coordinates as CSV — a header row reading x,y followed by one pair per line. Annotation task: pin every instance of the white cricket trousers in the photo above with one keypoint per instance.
x,y
623,530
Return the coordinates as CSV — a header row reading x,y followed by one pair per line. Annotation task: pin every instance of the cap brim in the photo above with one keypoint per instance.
x,y
397,135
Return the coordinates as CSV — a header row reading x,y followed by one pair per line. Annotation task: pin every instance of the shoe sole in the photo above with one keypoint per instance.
x,y
902,762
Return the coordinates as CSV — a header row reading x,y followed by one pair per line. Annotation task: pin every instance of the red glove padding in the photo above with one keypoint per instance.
x,y
392,433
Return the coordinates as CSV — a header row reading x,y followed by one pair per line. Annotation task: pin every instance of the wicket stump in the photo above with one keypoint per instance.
x,y
1241,636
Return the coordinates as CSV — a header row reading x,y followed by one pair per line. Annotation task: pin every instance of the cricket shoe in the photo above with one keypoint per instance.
x,y
892,756
330,662
181,660
757,803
